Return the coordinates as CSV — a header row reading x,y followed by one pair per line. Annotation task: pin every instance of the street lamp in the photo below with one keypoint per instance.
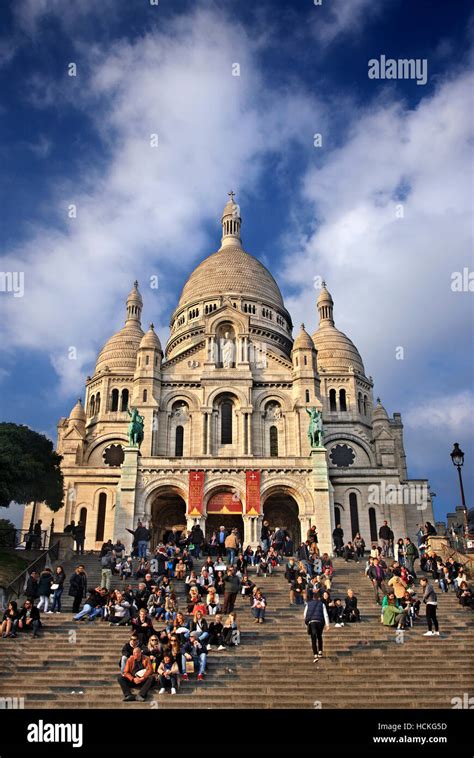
x,y
457,457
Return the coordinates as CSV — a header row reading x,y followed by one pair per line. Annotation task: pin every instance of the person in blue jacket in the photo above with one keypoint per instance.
x,y
316,619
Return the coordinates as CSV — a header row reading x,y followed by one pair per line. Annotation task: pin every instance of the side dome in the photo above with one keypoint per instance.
x,y
150,340
379,413
336,352
120,351
303,341
231,271
78,413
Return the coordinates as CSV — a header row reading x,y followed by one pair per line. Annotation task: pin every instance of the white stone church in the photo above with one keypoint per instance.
x,y
225,420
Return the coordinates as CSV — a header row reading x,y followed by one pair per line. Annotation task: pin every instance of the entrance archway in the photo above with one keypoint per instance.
x,y
168,511
224,508
281,510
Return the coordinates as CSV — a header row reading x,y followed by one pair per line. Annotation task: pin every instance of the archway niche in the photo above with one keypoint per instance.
x,y
168,512
281,510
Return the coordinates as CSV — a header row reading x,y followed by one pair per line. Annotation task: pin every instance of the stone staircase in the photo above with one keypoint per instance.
x,y
74,665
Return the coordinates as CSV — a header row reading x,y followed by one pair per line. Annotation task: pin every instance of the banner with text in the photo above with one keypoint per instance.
x,y
252,499
196,493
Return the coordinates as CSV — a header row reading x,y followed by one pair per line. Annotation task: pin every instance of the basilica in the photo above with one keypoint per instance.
x,y
226,409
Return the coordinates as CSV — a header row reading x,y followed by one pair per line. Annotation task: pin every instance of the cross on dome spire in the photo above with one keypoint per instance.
x,y
231,222
134,305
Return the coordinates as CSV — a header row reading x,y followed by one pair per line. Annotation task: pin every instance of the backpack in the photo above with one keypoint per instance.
x,y
415,552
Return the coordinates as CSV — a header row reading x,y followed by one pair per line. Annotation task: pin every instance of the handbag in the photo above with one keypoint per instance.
x,y
190,667
54,587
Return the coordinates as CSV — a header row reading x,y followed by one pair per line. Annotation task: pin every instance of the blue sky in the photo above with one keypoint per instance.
x,y
328,211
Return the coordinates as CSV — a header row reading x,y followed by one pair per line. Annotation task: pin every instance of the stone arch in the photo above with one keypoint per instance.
x,y
299,492
239,322
103,442
281,508
175,396
355,441
167,511
282,398
227,390
150,490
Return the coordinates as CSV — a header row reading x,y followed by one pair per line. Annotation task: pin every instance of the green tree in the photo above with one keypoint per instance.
x,y
29,468
7,533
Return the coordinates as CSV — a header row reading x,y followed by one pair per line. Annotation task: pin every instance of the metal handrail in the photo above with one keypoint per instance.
x,y
16,585
20,536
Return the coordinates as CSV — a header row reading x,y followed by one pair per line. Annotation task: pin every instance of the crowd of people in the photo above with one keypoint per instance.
x,y
177,610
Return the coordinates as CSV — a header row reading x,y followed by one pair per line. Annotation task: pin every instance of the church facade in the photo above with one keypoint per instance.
x,y
226,409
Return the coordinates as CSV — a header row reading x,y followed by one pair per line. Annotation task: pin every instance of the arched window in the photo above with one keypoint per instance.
x,y
145,395
373,525
342,400
273,441
83,516
99,532
354,514
337,515
92,406
307,396
359,402
226,423
179,442
114,402
365,405
332,401
124,405
97,403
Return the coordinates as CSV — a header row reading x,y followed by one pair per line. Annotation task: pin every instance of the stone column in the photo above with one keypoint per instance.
x,y
249,435
323,514
125,515
247,531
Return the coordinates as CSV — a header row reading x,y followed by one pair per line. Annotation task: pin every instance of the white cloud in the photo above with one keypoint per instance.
x,y
448,414
390,277
340,17
144,211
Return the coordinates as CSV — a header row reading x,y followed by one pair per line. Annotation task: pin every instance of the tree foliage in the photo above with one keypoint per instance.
x,y
29,468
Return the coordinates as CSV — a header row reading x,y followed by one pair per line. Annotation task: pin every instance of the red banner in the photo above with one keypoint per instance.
x,y
224,503
252,499
196,493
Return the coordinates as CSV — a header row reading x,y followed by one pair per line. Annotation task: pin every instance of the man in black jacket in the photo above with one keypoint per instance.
x,y
77,588
141,538
231,588
384,536
338,537
265,536
79,536
31,591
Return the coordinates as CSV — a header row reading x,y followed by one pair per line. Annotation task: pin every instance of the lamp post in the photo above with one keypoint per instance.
x,y
457,457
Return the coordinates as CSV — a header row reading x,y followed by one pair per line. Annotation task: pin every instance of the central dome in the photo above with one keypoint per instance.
x,y
231,271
